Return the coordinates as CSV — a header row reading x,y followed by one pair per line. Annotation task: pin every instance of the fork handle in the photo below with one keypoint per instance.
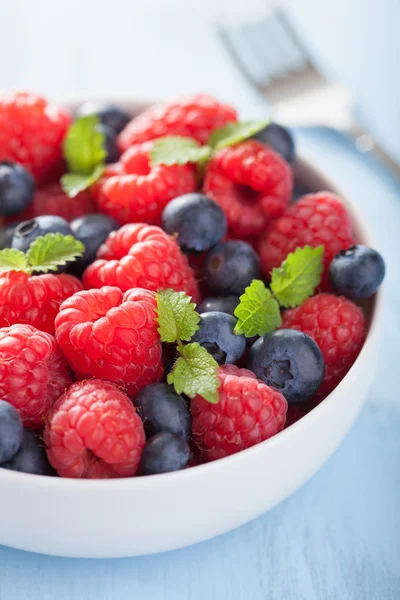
x,y
365,144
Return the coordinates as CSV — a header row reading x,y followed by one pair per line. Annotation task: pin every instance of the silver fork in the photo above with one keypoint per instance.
x,y
275,62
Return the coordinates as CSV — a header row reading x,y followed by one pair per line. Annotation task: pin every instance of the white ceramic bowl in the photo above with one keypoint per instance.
x,y
144,515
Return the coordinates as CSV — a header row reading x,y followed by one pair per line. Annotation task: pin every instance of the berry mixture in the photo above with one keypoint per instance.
x,y
166,299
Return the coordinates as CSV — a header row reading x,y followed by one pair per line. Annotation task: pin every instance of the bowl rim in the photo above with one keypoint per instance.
x,y
133,483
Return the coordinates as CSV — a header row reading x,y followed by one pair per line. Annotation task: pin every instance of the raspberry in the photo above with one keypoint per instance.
x,y
107,334
251,183
31,132
52,200
142,256
190,116
314,220
338,327
248,412
140,192
34,299
93,432
33,372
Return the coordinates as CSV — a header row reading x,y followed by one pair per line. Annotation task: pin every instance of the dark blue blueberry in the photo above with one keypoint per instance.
x,y
216,335
357,272
280,139
198,222
31,457
16,188
92,231
27,231
289,361
230,267
110,115
163,453
226,304
110,142
6,234
11,430
162,410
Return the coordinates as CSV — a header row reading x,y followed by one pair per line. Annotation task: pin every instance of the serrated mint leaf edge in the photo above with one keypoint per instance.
x,y
178,150
275,320
317,252
53,264
21,265
211,395
233,133
74,183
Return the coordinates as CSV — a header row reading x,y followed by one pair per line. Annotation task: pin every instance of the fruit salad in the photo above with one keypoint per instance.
x,y
168,297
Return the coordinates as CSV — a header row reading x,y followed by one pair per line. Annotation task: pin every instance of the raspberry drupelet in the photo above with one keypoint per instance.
x,y
338,326
94,432
111,335
33,372
137,191
189,116
251,183
315,220
139,255
31,132
247,413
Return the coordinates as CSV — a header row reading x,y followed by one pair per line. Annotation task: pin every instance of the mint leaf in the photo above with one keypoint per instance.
x,y
84,145
233,133
73,183
176,316
48,252
195,372
12,260
257,312
178,150
298,276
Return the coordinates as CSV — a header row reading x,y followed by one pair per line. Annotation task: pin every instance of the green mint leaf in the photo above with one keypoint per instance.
x,y
233,133
73,183
178,150
195,372
176,316
48,252
12,260
84,145
298,276
257,312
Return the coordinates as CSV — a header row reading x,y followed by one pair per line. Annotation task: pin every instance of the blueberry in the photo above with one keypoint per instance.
x,y
108,114
31,457
198,222
290,361
225,304
16,189
216,335
280,139
230,267
11,430
357,272
92,231
110,142
163,453
161,410
6,234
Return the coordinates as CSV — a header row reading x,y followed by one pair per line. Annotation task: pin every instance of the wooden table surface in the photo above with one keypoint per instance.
x,y
338,538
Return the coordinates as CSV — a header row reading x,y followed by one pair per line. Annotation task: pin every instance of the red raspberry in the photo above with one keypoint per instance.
x,y
190,116
52,200
251,183
33,372
314,220
248,412
338,326
140,192
94,432
34,299
107,334
31,132
140,255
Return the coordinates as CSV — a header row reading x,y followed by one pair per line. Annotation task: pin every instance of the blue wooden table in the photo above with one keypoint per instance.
x,y
338,538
